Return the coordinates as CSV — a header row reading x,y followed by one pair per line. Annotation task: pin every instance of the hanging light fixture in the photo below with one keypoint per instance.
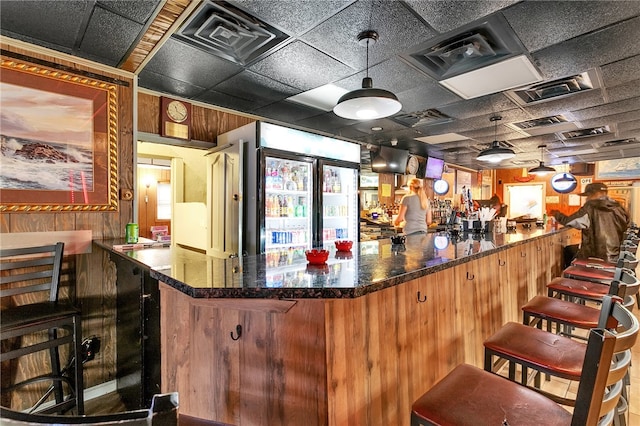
x,y
564,182
495,153
367,103
541,169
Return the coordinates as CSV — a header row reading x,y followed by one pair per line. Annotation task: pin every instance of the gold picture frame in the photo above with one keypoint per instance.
x,y
59,140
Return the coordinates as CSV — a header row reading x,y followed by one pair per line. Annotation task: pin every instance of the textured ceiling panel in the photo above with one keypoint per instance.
x,y
315,43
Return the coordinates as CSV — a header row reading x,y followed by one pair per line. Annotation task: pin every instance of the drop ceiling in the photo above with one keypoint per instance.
x,y
253,56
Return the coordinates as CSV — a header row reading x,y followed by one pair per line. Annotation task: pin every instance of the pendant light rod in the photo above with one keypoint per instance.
x,y
495,153
542,169
367,103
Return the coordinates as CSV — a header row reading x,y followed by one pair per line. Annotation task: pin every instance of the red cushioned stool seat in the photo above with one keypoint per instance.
x,y
576,288
563,312
471,396
601,276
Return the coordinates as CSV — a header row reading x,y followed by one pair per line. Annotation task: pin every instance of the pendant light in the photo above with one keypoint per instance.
x,y
541,169
367,103
495,153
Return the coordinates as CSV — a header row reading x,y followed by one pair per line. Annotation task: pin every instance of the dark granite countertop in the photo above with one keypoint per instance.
x,y
368,267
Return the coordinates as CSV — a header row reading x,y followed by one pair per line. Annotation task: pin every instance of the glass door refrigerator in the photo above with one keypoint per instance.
x,y
288,208
299,190
340,212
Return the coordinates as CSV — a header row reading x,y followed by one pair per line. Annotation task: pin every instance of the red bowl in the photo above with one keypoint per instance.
x,y
317,257
344,245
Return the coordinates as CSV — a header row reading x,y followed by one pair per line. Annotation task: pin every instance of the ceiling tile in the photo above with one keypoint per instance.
x,y
138,10
163,84
182,62
397,27
565,20
301,66
255,87
293,17
448,15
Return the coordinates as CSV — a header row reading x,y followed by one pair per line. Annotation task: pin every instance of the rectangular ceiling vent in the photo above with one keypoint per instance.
x,y
427,117
555,89
619,142
229,33
585,133
544,125
473,46
483,146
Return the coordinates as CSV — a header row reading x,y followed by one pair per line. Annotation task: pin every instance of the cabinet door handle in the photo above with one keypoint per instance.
x,y
146,296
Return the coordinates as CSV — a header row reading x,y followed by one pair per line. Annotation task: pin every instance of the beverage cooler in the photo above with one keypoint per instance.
x,y
300,190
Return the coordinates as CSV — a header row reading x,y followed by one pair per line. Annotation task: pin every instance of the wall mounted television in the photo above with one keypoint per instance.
x,y
389,160
435,167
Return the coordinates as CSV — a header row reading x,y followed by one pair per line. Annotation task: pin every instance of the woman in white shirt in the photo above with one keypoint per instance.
x,y
414,209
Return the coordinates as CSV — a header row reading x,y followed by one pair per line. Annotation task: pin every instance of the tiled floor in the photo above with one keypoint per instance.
x,y
569,389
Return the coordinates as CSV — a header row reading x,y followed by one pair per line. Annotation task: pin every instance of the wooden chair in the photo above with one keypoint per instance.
x,y
572,289
25,272
163,412
471,396
559,356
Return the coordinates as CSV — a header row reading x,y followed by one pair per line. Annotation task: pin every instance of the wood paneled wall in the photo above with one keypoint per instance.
x,y
206,123
93,282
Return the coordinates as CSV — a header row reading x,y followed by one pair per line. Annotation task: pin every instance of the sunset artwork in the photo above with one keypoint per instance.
x,y
58,140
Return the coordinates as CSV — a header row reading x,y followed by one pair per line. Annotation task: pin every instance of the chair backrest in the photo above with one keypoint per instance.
x,y
31,270
606,362
628,260
163,412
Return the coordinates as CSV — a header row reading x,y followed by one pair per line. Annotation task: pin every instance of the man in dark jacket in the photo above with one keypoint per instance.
x,y
602,221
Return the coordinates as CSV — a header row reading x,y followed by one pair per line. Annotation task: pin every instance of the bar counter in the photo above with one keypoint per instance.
x,y
251,342
370,266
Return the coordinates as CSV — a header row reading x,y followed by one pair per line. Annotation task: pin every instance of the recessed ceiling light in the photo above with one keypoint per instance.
x,y
505,75
323,97
376,128
447,137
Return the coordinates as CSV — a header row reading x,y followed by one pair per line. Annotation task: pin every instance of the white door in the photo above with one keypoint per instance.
x,y
224,196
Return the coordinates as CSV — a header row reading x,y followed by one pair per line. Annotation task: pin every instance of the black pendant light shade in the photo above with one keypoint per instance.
x,y
495,153
367,103
541,169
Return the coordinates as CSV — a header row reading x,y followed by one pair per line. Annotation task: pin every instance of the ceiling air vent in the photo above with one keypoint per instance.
x,y
619,142
544,125
229,33
427,117
584,133
473,46
555,89
482,147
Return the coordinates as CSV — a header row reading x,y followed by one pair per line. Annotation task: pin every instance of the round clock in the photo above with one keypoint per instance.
x,y
412,165
177,111
440,187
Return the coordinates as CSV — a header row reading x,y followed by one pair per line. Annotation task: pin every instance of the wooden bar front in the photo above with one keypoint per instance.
x,y
356,361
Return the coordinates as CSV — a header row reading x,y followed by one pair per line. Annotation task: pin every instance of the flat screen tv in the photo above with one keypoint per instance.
x,y
389,160
434,169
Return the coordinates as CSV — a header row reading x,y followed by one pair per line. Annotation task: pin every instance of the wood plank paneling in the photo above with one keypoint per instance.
x,y
345,362
93,285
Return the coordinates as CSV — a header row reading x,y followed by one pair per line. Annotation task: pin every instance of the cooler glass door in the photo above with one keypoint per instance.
x,y
288,210
339,204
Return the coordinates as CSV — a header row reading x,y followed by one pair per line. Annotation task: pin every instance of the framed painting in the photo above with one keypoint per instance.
x,y
59,140
622,168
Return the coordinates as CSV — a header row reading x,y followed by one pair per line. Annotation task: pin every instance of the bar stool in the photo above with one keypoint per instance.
x,y
571,289
548,353
567,315
25,272
471,396
626,259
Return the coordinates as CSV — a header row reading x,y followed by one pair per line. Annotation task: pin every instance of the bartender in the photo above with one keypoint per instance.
x,y
414,209
497,204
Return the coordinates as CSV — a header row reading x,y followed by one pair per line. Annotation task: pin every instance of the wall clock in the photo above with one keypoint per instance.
x,y
412,165
175,118
440,187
